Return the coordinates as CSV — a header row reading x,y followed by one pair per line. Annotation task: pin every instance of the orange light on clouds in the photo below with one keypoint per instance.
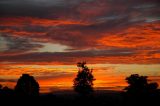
x,y
136,36
21,21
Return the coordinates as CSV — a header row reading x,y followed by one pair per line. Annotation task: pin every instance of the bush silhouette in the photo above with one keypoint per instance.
x,y
140,90
27,86
139,84
6,92
83,83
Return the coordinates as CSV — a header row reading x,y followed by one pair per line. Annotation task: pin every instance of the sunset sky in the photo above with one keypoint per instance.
x,y
46,38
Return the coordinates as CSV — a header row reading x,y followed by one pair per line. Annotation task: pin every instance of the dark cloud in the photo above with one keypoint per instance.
x,y
91,28
19,44
8,80
65,57
38,8
53,75
78,9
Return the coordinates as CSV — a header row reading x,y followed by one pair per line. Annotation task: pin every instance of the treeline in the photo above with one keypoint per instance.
x,y
26,86
139,90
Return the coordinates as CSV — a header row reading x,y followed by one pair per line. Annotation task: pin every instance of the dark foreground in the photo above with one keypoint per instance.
x,y
67,98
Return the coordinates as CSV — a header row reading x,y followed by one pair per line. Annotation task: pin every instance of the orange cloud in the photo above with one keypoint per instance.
x,y
21,33
135,44
145,35
22,21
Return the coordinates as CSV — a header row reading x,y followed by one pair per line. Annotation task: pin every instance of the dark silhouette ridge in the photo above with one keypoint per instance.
x,y
83,83
27,86
139,92
6,92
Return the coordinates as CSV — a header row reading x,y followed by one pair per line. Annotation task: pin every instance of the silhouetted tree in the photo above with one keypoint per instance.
x,y
140,90
137,84
27,86
83,83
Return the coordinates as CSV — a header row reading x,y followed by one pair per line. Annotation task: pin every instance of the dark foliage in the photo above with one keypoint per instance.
x,y
140,90
138,93
83,83
27,86
6,92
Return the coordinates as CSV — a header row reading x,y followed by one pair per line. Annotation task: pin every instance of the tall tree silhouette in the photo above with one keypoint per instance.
x,y
27,86
83,83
